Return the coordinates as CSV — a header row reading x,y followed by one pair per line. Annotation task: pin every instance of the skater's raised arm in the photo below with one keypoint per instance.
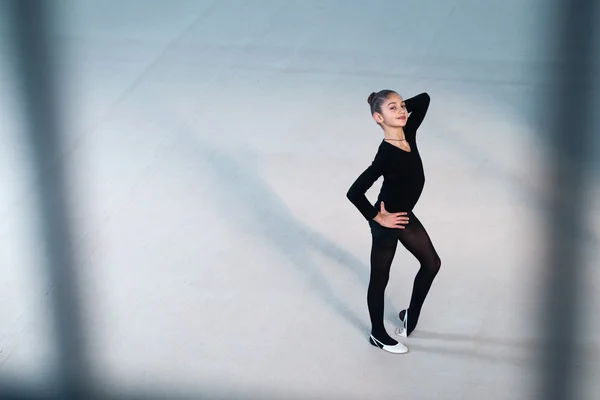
x,y
417,106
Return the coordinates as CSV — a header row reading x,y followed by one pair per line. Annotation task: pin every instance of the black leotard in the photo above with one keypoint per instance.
x,y
402,171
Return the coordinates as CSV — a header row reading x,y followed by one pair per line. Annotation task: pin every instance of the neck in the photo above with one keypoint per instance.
x,y
394,133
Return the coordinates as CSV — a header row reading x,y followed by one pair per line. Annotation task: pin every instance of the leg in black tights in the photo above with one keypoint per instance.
x,y
417,241
383,249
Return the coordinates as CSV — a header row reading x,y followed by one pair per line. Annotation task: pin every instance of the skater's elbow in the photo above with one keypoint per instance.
x,y
353,193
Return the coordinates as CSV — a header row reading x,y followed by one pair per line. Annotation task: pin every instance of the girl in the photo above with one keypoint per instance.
x,y
391,219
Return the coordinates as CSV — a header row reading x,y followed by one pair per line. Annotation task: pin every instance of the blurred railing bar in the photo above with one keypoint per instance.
x,y
567,119
36,72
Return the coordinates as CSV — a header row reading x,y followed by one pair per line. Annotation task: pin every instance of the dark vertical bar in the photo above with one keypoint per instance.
x,y
36,74
568,123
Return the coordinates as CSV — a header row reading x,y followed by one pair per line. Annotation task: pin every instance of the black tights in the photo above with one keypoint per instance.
x,y
415,239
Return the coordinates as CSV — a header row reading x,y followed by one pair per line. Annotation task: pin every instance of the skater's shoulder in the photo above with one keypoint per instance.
x,y
385,149
381,153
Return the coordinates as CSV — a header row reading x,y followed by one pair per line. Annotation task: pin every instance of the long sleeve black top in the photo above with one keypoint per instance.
x,y
402,171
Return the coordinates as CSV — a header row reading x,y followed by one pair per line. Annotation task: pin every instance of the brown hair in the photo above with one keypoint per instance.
x,y
376,99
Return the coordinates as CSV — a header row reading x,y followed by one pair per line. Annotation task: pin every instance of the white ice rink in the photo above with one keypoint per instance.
x,y
210,145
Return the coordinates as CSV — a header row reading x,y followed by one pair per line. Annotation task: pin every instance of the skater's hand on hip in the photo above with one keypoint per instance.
x,y
391,220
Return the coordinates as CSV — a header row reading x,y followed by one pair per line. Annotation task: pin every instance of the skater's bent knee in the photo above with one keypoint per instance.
x,y
435,266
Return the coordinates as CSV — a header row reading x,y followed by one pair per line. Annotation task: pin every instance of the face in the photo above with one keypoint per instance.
x,y
393,112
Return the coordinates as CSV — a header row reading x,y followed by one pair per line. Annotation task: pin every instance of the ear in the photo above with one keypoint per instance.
x,y
378,117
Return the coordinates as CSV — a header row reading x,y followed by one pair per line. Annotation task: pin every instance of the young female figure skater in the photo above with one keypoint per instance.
x,y
391,218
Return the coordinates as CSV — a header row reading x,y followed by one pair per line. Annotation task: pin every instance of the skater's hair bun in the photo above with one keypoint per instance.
x,y
376,99
371,97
